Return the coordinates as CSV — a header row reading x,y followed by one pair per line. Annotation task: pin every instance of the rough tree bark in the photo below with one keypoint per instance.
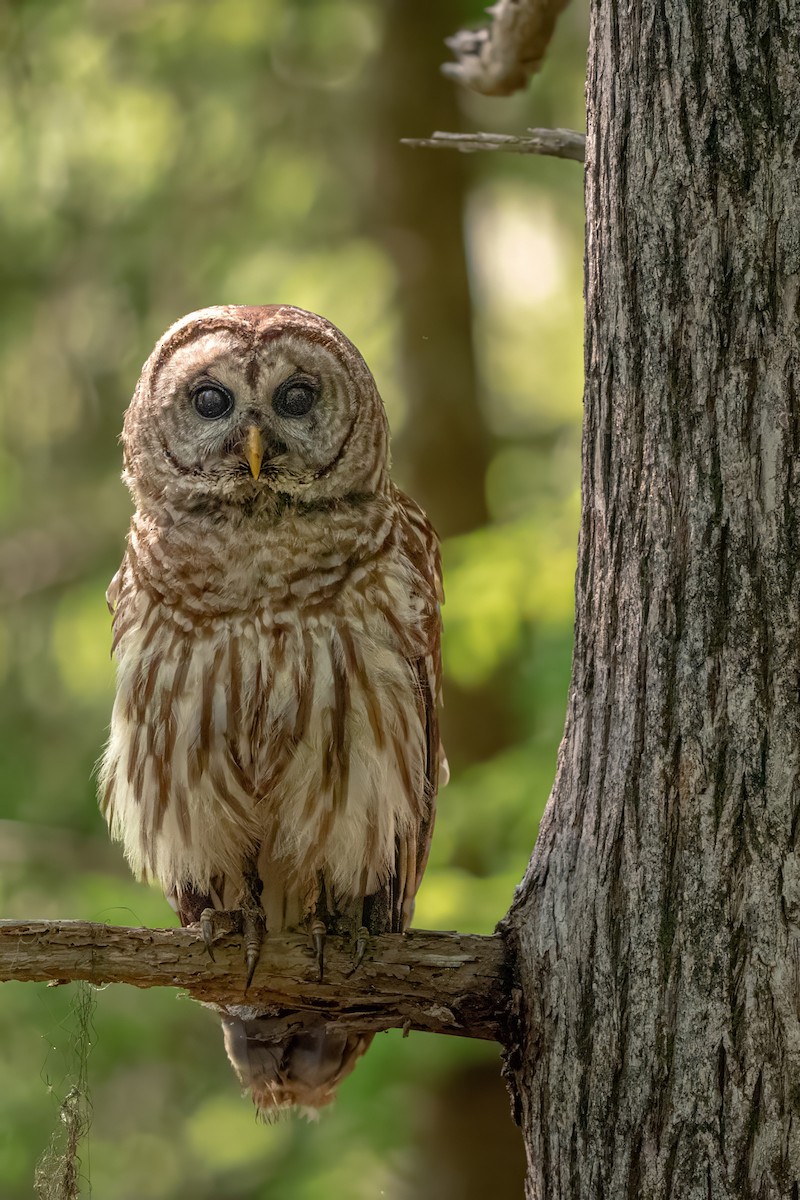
x,y
450,983
658,927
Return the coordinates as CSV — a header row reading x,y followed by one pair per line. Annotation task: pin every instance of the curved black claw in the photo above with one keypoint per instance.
x,y
253,930
362,939
318,934
207,917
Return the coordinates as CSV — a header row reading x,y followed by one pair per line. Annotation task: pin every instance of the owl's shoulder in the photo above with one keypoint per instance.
x,y
419,542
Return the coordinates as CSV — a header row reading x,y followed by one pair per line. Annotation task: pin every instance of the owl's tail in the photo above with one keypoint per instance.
x,y
289,1062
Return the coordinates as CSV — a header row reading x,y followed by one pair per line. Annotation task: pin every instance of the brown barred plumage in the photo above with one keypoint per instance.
x,y
277,631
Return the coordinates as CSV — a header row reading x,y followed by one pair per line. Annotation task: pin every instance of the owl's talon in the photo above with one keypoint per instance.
x,y
318,935
362,940
207,929
251,959
253,930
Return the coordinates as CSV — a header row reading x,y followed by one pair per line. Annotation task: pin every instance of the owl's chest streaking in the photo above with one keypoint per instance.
x,y
273,708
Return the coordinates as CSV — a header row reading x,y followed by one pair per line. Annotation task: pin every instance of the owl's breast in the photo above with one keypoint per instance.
x,y
296,728
333,735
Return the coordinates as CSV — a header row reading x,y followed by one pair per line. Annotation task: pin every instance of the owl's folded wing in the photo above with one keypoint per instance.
x,y
420,545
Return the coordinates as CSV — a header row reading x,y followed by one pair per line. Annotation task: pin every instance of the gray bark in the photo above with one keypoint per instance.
x,y
658,927
560,143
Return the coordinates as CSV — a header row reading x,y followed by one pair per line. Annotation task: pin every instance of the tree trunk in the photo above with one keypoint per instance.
x,y
418,213
416,210
658,927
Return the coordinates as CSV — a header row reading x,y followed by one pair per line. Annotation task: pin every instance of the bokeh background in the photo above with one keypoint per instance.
x,y
157,156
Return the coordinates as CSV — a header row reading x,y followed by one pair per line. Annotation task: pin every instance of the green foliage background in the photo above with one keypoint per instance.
x,y
158,156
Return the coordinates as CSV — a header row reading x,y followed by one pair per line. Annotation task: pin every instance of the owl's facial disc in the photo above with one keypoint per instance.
x,y
236,402
292,400
240,421
245,418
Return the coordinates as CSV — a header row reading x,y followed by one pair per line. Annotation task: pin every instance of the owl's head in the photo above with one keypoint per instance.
x,y
235,400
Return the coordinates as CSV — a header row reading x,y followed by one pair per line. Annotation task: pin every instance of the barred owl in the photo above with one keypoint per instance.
x,y
274,744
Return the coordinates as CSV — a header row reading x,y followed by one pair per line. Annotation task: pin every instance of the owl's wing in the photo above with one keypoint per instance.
x,y
420,545
118,596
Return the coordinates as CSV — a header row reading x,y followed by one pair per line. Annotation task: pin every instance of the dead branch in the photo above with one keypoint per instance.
x,y
560,143
498,59
452,983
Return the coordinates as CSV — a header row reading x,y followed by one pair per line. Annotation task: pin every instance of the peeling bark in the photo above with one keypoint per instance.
x,y
438,982
658,927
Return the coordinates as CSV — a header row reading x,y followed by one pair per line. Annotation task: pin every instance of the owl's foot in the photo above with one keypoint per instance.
x,y
246,921
216,923
318,934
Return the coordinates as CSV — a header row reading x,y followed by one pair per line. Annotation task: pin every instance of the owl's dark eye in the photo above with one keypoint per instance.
x,y
294,398
211,403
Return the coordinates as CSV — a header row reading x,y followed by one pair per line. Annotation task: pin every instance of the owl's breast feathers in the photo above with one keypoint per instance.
x,y
277,691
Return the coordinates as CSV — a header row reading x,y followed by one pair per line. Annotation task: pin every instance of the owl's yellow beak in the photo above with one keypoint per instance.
x,y
255,450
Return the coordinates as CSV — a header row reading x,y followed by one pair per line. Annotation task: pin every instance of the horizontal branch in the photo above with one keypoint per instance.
x,y
451,983
560,143
498,59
